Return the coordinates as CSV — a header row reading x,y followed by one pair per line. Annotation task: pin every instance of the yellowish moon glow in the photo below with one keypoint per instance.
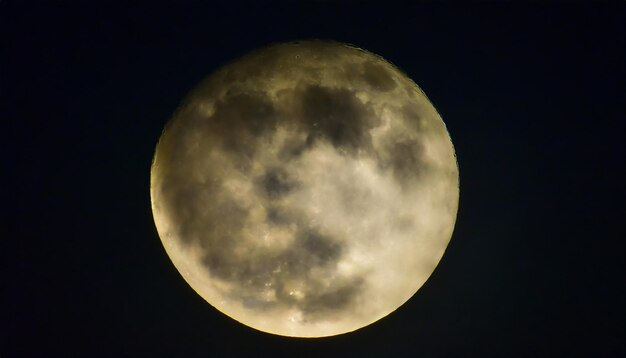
x,y
307,189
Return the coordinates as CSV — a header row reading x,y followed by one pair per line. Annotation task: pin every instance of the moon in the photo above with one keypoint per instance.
x,y
307,189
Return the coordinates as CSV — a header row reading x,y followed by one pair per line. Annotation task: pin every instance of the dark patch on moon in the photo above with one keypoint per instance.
x,y
414,117
321,249
276,215
310,251
275,183
323,303
322,295
406,160
336,115
293,148
378,77
196,219
240,118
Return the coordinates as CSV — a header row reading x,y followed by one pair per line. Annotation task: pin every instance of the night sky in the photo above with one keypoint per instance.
x,y
533,98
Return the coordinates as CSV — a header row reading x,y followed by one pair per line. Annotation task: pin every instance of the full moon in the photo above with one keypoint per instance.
x,y
306,189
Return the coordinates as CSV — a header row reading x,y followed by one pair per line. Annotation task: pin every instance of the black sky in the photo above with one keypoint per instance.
x,y
533,97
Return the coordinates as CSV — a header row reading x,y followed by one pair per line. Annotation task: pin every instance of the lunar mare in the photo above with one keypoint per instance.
x,y
306,189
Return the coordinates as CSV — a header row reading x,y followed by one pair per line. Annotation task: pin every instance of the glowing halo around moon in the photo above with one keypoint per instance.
x,y
306,189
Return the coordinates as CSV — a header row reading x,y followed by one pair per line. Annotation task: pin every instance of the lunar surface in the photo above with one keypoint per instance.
x,y
306,189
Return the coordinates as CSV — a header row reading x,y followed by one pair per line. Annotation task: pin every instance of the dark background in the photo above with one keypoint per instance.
x,y
533,97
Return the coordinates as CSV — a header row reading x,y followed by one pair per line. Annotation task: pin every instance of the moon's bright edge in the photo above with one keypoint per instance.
x,y
307,189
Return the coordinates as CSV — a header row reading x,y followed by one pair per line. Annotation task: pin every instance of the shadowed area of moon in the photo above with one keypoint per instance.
x,y
306,189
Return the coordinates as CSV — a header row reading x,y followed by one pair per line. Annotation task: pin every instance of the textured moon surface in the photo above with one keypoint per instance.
x,y
306,189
